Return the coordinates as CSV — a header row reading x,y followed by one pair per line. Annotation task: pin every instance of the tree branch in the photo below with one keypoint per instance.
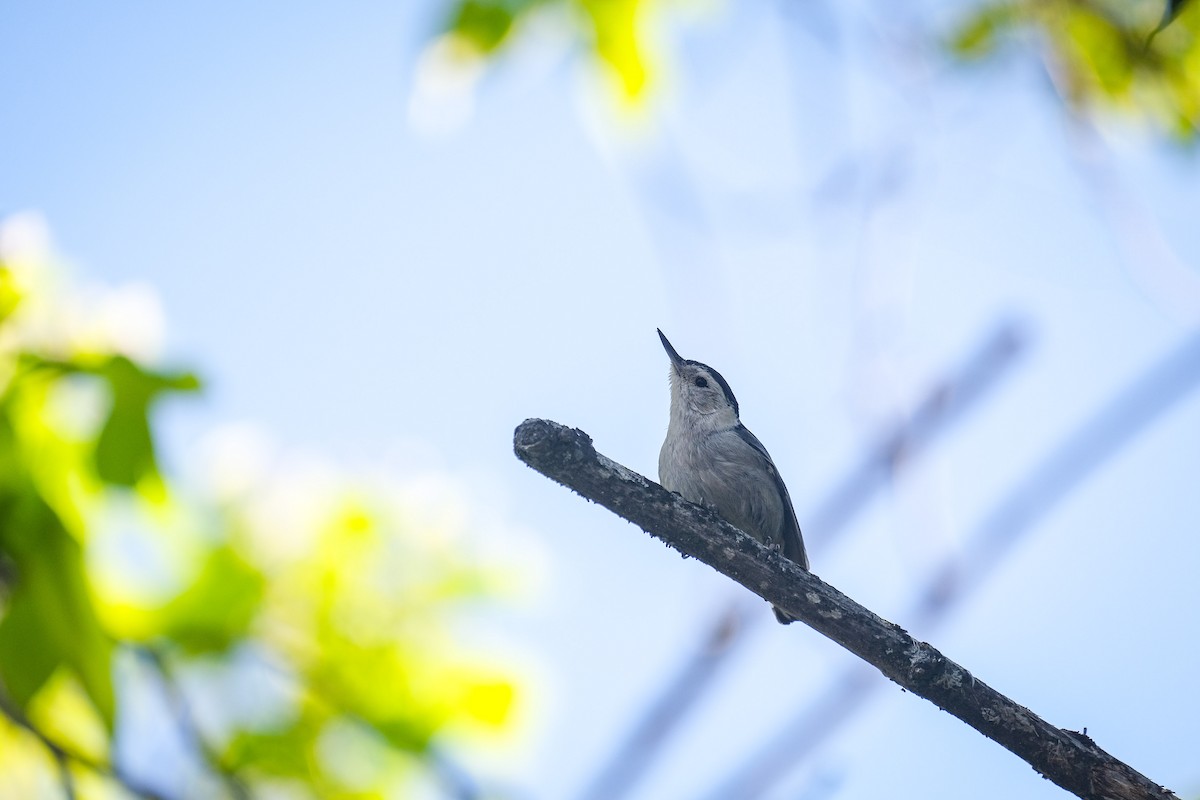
x,y
1071,760
944,403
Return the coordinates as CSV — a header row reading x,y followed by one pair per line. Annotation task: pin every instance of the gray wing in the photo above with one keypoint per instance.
x,y
793,540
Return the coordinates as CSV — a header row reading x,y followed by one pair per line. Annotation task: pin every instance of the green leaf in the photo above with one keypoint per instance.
x,y
285,750
125,449
51,620
1102,49
219,606
484,24
980,34
27,660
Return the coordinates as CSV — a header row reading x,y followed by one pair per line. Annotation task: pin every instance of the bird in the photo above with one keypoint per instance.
x,y
710,458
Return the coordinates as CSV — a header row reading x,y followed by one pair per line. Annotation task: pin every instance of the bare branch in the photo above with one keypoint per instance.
x,y
1069,759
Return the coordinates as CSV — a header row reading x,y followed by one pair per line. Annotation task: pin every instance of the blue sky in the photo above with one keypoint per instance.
x,y
822,213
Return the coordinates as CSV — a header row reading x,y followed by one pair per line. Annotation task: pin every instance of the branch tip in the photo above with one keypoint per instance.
x,y
538,439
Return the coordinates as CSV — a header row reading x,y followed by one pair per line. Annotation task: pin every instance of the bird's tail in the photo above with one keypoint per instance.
x,y
784,617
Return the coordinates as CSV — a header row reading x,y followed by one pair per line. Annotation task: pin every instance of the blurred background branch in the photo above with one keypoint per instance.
x,y
185,718
659,719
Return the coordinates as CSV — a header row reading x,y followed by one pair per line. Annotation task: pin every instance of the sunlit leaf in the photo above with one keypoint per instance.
x,y
1102,47
610,28
490,702
350,676
10,295
24,762
62,710
615,28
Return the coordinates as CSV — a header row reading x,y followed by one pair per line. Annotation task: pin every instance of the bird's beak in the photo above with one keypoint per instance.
x,y
676,360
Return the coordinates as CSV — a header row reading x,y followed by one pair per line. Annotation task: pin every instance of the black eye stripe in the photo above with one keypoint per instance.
x,y
716,376
701,382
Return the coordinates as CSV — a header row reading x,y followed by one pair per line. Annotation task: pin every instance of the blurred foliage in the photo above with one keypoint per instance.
x,y
1140,57
612,30
1137,57
322,604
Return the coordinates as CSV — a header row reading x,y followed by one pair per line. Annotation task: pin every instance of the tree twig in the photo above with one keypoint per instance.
x,y
188,725
64,775
1069,759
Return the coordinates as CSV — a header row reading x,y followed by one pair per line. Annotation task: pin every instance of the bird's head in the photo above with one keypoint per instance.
x,y
700,397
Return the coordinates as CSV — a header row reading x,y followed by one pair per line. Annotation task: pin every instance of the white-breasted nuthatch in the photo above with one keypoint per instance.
x,y
712,459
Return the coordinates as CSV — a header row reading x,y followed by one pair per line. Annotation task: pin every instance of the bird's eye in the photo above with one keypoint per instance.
x,y
701,382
